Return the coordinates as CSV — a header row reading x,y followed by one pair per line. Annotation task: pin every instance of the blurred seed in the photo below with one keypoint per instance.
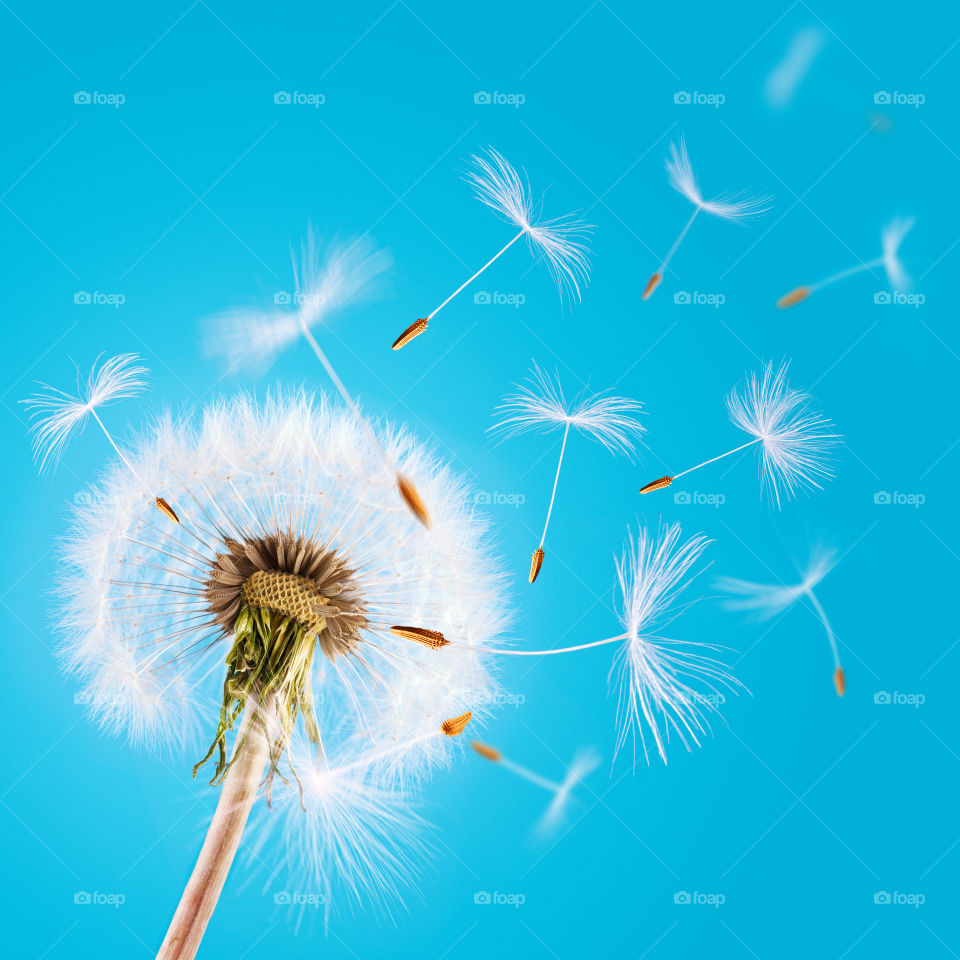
x,y
794,296
409,493
429,638
536,562
658,484
652,285
840,681
414,330
486,751
165,507
455,725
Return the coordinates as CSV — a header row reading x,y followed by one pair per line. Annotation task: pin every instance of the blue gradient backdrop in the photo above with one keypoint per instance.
x,y
183,200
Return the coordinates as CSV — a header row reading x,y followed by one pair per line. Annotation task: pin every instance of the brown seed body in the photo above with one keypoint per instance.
x,y
657,484
794,296
455,725
429,638
652,285
409,493
840,681
486,751
414,330
536,562
165,508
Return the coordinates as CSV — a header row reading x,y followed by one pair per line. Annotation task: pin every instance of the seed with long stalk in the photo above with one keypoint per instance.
x,y
734,207
540,406
794,442
768,600
325,283
60,416
892,236
666,686
559,242
583,764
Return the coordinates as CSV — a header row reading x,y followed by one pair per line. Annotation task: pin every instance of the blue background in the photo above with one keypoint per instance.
x,y
185,200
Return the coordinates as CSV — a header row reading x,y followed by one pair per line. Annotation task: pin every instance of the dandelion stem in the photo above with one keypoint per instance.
x,y
826,625
237,794
742,446
467,283
849,272
678,241
556,479
530,776
126,462
505,651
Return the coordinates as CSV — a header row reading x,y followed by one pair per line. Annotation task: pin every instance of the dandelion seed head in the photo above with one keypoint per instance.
x,y
738,206
665,686
59,416
560,242
539,405
893,235
795,442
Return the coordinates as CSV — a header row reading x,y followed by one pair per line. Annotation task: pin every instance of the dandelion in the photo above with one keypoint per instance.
x,y
541,406
664,685
584,763
324,285
734,207
264,623
60,416
795,442
769,600
892,236
559,242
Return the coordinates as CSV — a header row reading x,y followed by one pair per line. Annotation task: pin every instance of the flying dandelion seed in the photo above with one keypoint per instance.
x,y
734,207
664,685
59,416
297,558
540,406
768,600
784,79
891,238
795,442
325,284
584,763
559,242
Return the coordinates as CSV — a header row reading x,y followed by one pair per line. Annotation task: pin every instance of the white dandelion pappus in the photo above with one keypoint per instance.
x,y
767,600
59,416
560,241
292,542
540,406
795,442
892,236
734,207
